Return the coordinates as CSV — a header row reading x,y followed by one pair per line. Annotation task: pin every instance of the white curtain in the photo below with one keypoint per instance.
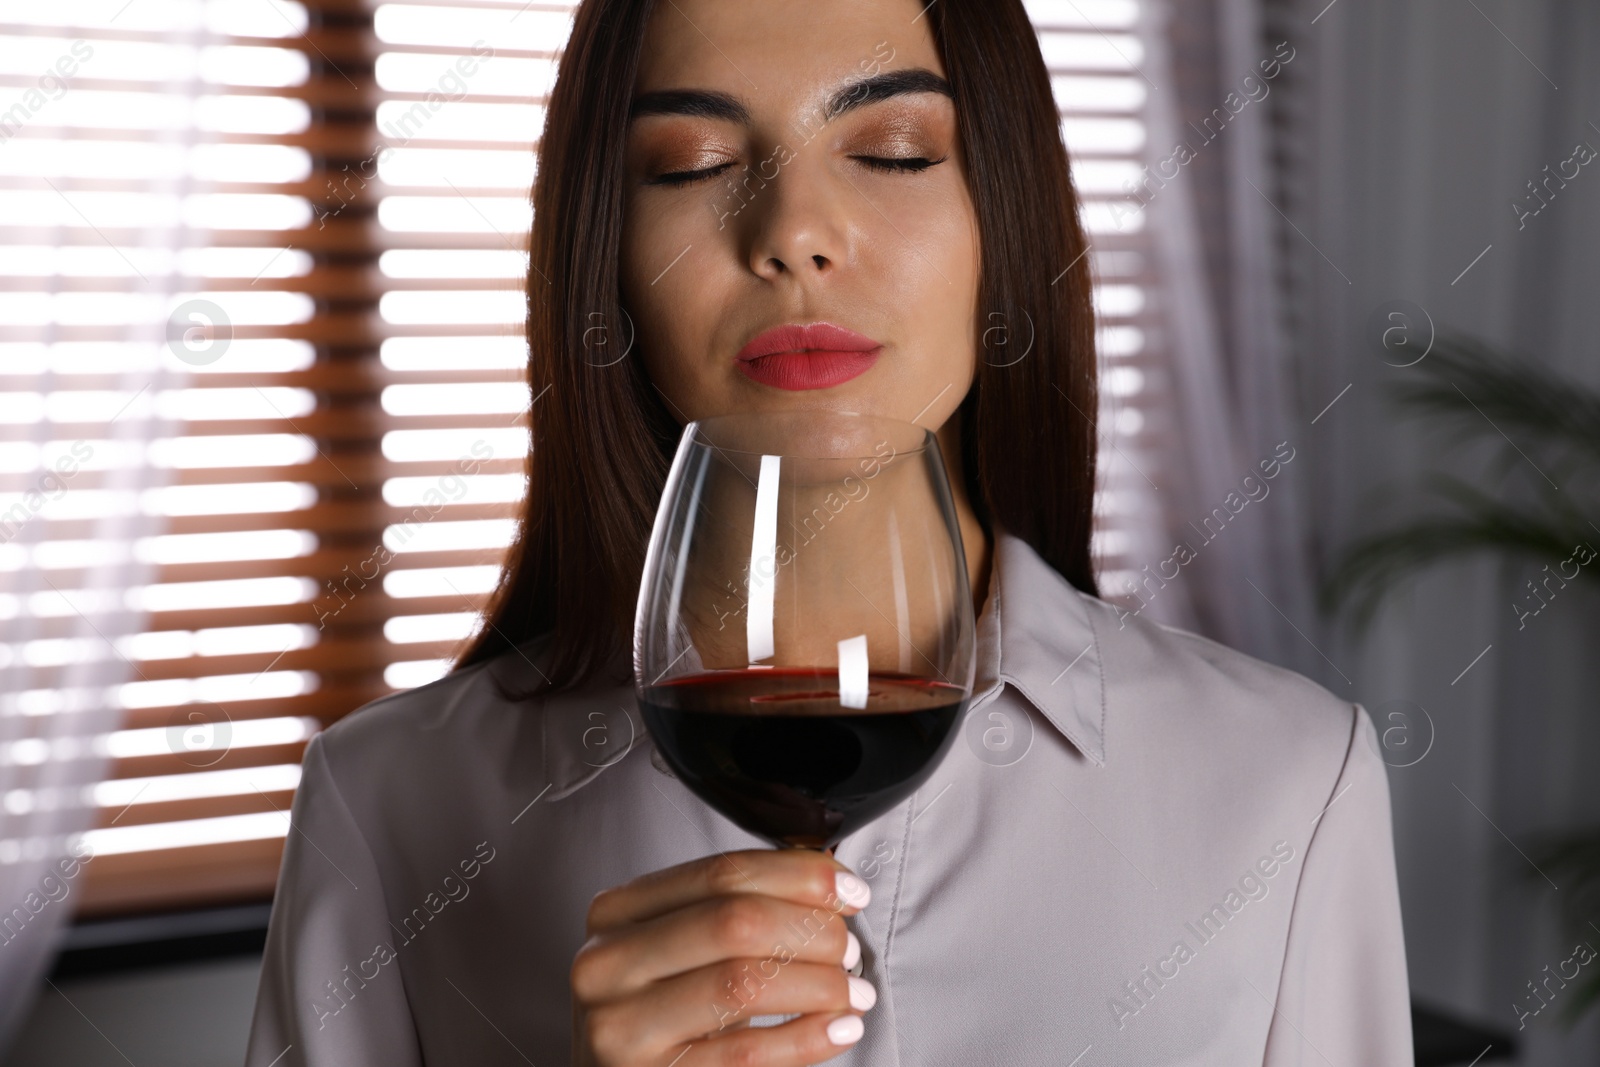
x,y
1424,123
1385,166
61,666
1246,581
72,607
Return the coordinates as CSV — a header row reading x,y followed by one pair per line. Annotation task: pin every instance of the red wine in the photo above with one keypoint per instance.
x,y
774,750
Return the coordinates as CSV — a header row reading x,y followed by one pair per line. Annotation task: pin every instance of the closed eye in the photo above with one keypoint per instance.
x,y
898,163
889,164
680,178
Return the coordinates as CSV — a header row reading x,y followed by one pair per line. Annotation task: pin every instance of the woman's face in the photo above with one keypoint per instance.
x,y
824,226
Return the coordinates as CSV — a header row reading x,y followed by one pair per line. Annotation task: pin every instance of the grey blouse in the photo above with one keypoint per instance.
x,y
1145,848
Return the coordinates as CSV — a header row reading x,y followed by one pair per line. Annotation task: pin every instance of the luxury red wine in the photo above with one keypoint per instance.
x,y
776,752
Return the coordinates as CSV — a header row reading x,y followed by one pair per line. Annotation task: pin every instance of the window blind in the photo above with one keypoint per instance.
x,y
155,157
311,218
207,192
1094,50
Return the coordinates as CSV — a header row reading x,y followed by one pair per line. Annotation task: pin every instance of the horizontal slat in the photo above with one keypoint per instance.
x,y
343,655
353,378
343,234
345,376
329,40
331,91
349,519
320,567
333,44
328,705
197,808
242,756
338,331
372,608
355,425
331,141
124,883
314,188
341,285
346,330
322,473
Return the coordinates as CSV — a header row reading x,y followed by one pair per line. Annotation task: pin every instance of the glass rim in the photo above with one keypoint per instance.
x,y
695,431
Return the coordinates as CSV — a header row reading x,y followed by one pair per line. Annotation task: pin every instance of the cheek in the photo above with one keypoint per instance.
x,y
928,267
672,295
649,243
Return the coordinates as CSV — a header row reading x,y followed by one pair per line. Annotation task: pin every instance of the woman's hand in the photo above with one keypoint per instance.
x,y
678,960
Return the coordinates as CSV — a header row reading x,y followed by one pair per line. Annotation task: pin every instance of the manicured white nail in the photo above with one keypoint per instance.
x,y
846,1030
852,890
852,950
862,995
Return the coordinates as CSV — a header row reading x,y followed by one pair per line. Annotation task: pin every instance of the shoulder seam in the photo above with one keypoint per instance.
x,y
1099,655
321,741
1294,905
366,846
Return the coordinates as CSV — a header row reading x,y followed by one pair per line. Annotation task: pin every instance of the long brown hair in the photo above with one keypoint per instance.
x,y
602,439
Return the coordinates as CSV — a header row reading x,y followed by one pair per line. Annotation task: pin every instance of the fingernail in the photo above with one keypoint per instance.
x,y
852,890
846,1030
862,995
852,950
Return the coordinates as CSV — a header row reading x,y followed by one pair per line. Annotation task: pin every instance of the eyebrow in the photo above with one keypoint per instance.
x,y
713,104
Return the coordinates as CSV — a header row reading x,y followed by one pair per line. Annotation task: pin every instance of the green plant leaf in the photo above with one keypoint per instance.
x,y
1523,410
1470,385
1373,566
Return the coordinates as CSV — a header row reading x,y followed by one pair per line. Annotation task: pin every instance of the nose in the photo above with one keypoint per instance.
x,y
798,226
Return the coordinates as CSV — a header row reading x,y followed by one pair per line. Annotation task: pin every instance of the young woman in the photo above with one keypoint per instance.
x,y
1178,854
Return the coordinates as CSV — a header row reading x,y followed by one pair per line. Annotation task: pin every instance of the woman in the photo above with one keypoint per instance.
x,y
1180,854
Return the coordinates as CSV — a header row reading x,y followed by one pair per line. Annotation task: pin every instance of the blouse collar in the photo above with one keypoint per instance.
x,y
1036,631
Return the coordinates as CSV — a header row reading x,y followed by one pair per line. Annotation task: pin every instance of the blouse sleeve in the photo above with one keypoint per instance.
x,y
1343,996
331,992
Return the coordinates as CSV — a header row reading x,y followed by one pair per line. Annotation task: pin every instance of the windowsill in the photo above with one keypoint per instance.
x,y
109,945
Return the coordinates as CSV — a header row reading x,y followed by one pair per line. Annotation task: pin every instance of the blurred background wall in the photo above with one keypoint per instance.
x,y
1431,120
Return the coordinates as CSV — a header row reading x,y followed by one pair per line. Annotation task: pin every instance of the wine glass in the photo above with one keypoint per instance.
x,y
804,644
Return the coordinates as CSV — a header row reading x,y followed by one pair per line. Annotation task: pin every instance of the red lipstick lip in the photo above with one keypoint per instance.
x,y
813,356
813,337
813,369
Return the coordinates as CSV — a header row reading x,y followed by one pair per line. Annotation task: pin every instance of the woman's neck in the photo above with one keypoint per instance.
x,y
974,538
